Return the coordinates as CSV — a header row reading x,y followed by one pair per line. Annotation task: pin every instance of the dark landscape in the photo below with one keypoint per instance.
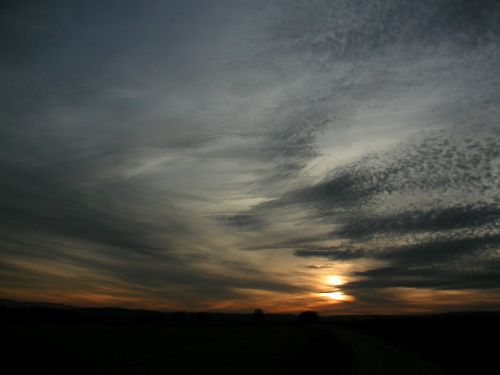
x,y
68,340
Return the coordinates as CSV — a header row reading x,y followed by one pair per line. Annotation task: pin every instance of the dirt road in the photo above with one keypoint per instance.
x,y
371,356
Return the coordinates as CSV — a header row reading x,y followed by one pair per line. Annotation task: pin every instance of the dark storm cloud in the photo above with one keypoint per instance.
x,y
436,164
440,250
435,262
429,253
435,219
332,253
478,276
428,208
348,188
466,263
440,163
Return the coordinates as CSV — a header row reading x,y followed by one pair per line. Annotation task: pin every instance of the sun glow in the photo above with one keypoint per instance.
x,y
334,280
335,293
338,296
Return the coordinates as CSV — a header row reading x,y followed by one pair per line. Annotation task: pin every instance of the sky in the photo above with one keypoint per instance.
x,y
341,155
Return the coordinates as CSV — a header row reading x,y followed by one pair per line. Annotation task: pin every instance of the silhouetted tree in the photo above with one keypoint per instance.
x,y
258,315
308,317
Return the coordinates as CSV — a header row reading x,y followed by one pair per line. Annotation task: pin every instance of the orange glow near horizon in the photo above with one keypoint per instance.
x,y
331,301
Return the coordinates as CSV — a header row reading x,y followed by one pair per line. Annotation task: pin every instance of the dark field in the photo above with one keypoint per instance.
x,y
457,343
210,348
159,350
112,341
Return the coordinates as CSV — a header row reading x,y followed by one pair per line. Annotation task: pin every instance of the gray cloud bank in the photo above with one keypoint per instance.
x,y
151,146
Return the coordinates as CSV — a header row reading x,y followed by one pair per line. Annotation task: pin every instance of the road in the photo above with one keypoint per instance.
x,y
371,356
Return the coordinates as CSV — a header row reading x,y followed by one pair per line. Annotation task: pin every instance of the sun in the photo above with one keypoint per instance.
x,y
337,296
335,293
334,280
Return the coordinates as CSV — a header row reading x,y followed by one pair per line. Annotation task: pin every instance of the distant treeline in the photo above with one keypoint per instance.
x,y
117,316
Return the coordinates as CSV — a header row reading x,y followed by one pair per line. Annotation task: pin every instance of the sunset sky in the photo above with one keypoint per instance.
x,y
335,155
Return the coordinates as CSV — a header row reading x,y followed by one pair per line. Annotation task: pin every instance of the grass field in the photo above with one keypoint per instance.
x,y
76,349
62,340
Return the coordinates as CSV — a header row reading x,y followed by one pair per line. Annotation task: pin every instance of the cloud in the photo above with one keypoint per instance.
x,y
425,214
351,30
333,253
198,152
435,219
